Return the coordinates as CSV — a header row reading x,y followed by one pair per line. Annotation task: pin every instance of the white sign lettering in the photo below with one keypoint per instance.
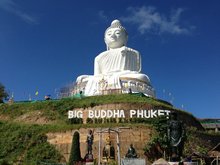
x,y
75,114
140,113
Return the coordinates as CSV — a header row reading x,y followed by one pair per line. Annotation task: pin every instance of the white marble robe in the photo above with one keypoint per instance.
x,y
110,65
117,60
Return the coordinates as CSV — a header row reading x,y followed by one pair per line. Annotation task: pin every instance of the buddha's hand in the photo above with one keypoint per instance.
x,y
124,51
81,78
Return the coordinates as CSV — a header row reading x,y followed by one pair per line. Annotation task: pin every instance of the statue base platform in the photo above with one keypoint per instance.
x,y
89,163
133,161
184,163
89,158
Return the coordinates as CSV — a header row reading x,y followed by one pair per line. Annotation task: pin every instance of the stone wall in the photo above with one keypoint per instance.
x,y
138,136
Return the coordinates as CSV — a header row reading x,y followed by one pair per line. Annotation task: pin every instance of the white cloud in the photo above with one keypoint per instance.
x,y
11,7
102,15
148,19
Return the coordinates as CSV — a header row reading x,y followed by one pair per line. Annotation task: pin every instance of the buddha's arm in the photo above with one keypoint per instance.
x,y
82,78
96,67
138,57
138,61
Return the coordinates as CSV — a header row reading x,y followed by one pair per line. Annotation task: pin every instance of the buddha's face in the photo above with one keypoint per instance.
x,y
115,38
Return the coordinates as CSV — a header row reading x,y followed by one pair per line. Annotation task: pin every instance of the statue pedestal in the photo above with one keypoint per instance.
x,y
89,163
133,161
89,158
184,163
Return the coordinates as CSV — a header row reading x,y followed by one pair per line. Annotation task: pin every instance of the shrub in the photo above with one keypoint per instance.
x,y
75,155
25,144
75,120
89,121
158,143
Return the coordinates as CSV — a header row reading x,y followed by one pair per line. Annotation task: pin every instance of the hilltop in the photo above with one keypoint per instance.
x,y
24,126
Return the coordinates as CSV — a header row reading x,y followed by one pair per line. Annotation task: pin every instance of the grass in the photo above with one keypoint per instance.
x,y
27,142
70,103
56,110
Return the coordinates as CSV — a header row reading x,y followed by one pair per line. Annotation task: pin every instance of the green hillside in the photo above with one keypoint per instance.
x,y
55,111
23,125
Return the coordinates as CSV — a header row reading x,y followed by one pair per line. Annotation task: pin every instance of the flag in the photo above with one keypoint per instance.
x,y
36,93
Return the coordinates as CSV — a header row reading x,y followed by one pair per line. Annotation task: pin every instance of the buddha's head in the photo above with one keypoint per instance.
x,y
115,35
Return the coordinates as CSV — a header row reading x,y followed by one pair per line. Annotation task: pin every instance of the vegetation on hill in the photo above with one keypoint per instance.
x,y
75,154
56,110
23,125
195,141
26,144
3,93
158,144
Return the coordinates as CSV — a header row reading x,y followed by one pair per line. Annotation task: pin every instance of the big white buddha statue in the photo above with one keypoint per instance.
x,y
116,69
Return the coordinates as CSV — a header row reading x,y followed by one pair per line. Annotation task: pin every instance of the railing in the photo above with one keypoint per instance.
x,y
215,161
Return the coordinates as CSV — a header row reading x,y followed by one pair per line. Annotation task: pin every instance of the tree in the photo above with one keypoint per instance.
x,y
3,93
158,143
75,155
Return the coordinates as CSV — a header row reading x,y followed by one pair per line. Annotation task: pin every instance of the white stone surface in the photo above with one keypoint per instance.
x,y
116,63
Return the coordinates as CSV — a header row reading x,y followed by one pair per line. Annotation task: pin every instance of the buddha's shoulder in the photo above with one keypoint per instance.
x,y
100,55
130,50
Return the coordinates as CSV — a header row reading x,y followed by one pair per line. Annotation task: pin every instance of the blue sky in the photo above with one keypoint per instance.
x,y
46,44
